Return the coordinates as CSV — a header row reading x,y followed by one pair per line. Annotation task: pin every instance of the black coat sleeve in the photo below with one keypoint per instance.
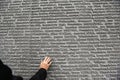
x,y
5,72
40,75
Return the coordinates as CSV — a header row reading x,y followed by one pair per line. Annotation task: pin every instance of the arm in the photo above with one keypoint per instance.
x,y
42,73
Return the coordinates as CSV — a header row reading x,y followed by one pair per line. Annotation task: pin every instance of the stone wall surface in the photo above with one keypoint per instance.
x,y
82,37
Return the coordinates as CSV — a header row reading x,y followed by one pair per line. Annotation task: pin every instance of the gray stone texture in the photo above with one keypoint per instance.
x,y
82,37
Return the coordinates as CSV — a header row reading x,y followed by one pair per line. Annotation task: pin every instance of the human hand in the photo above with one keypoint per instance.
x,y
45,63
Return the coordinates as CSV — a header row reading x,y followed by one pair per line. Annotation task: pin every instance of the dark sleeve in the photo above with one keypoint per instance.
x,y
1,63
40,75
5,72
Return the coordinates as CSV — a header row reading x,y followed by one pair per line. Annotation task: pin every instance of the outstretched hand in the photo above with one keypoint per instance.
x,y
45,63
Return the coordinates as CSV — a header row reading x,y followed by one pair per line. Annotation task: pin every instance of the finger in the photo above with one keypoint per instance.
x,y
49,59
50,63
45,58
41,62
